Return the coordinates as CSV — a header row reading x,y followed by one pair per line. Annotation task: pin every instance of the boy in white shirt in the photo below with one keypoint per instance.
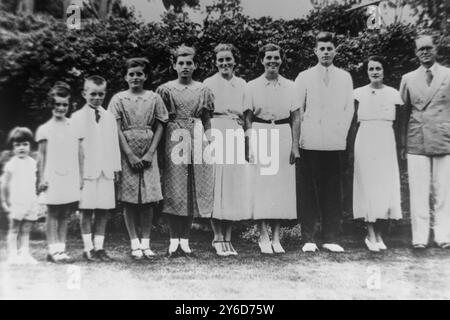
x,y
101,165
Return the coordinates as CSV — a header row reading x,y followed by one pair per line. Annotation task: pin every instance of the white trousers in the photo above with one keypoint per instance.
x,y
429,174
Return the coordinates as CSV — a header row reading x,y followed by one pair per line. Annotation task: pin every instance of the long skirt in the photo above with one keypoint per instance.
x,y
233,197
274,180
376,187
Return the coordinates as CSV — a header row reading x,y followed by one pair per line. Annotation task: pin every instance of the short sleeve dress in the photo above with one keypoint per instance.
x,y
232,174
22,192
274,183
137,115
188,180
62,171
376,185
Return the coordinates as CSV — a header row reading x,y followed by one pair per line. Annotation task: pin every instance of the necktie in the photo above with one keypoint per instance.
x,y
326,78
97,115
428,77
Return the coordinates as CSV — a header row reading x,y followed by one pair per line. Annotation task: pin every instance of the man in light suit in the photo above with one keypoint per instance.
x,y
426,93
326,108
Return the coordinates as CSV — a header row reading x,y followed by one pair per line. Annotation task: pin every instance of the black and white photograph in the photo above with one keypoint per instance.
x,y
224,153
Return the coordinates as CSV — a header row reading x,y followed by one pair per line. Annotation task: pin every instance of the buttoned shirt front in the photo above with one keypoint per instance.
x,y
228,94
271,100
326,111
100,144
429,123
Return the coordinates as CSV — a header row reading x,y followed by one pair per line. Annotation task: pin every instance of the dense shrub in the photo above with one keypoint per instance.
x,y
35,51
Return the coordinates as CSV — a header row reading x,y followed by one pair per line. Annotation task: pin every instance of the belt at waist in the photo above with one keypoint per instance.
x,y
191,119
281,121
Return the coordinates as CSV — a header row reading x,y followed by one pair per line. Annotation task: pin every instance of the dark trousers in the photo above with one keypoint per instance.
x,y
319,195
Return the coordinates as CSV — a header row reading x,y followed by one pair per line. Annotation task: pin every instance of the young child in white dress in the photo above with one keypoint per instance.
x,y
59,170
19,200
100,166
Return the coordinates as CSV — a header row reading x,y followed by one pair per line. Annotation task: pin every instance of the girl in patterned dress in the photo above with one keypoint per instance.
x,y
188,182
140,114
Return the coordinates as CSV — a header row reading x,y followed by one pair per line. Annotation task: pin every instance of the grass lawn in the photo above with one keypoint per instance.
x,y
403,273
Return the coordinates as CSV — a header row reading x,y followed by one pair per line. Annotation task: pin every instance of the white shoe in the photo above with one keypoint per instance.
x,y
333,247
310,247
63,256
26,258
148,253
277,248
184,245
372,246
381,245
12,259
265,247
174,243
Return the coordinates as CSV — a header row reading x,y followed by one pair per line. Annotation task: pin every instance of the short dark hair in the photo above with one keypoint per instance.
x,y
269,47
325,36
60,89
95,79
228,47
138,62
379,59
20,134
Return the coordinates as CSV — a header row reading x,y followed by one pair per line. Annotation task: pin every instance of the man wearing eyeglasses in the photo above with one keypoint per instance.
x,y
426,140
326,100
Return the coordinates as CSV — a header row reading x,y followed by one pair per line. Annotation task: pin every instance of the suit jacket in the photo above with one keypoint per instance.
x,y
429,123
100,142
326,111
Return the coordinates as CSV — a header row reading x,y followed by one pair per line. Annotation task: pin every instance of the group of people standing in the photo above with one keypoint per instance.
x,y
83,158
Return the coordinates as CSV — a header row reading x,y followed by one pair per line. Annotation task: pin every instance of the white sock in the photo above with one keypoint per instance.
x,y
98,242
53,248
61,247
135,244
12,244
174,245
184,243
145,243
87,241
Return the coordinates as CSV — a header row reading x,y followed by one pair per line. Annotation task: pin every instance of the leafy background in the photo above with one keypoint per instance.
x,y
37,50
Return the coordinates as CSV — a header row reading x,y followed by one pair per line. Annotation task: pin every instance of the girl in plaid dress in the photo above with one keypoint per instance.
x,y
140,114
188,185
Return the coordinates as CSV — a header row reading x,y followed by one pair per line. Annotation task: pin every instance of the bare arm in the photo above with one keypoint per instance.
x,y
133,160
41,161
295,131
248,122
81,161
206,120
155,142
4,190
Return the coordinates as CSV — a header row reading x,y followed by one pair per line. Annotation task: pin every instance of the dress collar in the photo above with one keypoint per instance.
x,y
195,85
280,82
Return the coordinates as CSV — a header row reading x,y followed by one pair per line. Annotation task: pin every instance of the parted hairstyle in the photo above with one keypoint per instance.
x,y
60,89
269,47
138,62
95,79
378,59
183,51
20,134
325,36
228,47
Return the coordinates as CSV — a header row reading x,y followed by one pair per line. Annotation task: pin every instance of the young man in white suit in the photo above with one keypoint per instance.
x,y
326,108
426,139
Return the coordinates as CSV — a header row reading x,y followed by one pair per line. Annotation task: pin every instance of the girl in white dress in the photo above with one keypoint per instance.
x,y
59,173
232,196
376,188
270,107
18,193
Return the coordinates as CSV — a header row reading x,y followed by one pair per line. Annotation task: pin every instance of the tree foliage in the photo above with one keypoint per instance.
x,y
38,50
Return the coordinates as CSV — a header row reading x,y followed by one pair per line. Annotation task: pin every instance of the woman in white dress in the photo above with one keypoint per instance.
x,y
271,106
231,173
376,187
